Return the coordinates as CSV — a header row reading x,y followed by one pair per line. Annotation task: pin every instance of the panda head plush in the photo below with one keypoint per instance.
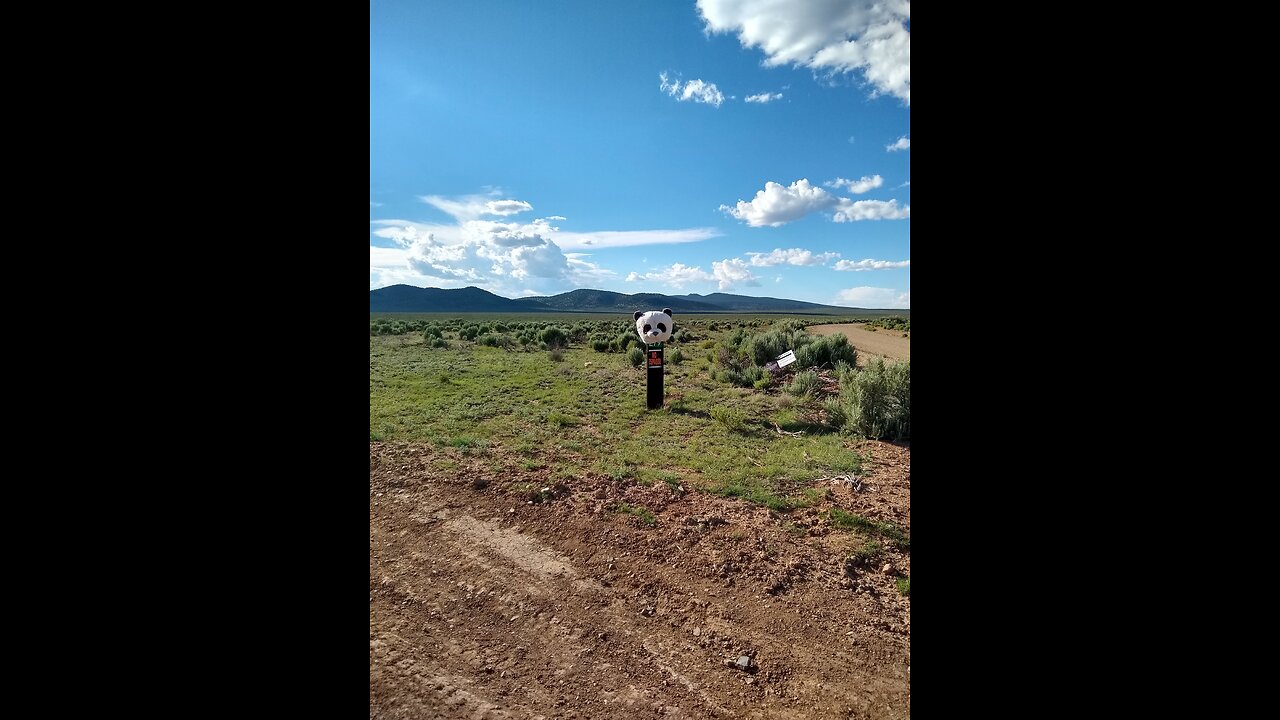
x,y
653,326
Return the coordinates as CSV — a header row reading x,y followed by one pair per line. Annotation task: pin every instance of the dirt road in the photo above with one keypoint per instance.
x,y
888,343
482,605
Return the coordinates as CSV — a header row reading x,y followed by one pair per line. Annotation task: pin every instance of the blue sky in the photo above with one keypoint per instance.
x,y
754,147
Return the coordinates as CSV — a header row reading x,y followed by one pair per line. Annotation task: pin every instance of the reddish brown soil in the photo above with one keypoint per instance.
x,y
482,605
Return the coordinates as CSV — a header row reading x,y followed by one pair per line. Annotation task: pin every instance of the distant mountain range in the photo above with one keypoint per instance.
x,y
407,298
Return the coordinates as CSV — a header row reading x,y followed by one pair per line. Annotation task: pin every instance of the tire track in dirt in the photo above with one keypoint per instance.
x,y
887,343
484,607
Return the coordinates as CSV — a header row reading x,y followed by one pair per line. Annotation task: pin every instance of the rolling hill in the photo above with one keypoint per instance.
x,y
406,298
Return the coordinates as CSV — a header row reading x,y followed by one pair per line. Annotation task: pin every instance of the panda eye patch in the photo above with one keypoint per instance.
x,y
662,327
647,328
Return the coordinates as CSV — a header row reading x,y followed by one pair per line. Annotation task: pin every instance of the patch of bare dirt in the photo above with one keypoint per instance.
x,y
887,343
484,605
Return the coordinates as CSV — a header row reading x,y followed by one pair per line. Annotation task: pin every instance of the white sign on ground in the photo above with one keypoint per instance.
x,y
786,358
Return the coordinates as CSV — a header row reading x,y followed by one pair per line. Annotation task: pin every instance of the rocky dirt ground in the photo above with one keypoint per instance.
x,y
483,604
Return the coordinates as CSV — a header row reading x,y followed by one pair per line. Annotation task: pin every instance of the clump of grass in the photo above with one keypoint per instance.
x,y
375,435
676,357
732,419
904,586
556,354
644,514
561,420
868,551
465,442
760,496
850,521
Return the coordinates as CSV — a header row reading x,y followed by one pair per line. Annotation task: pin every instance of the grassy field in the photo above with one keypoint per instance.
x,y
522,411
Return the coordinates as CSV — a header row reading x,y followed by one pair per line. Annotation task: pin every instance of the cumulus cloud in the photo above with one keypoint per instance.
x,y
856,186
793,256
869,264
833,36
696,90
502,255
777,205
903,143
726,273
852,211
677,275
875,298
733,272
763,97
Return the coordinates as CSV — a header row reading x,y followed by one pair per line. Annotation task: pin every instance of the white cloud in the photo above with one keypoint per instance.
x,y
470,207
726,273
733,272
793,256
875,298
856,186
905,184
677,275
903,143
507,207
851,211
836,36
373,204
696,90
627,238
869,264
777,205
763,97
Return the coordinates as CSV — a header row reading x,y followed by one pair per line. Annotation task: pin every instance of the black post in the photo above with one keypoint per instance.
x,y
653,361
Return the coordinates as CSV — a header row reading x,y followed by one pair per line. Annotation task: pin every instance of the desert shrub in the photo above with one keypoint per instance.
x,y
826,351
635,356
877,401
804,383
836,414
554,337
742,378
676,357
599,344
437,342
556,354
769,345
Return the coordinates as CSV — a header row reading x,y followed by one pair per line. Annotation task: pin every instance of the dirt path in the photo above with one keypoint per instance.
x,y
888,343
484,606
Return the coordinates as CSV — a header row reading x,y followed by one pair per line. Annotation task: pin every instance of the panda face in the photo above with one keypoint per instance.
x,y
654,326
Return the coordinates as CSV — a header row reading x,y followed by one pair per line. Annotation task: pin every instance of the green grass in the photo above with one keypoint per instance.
x,y
568,419
904,586
641,512
850,521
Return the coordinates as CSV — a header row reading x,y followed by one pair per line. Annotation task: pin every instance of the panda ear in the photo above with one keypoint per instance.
x,y
668,312
637,315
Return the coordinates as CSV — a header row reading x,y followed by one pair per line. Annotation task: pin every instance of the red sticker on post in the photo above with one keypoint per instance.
x,y
655,359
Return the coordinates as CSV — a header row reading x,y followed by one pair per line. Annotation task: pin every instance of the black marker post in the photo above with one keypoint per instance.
x,y
653,361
